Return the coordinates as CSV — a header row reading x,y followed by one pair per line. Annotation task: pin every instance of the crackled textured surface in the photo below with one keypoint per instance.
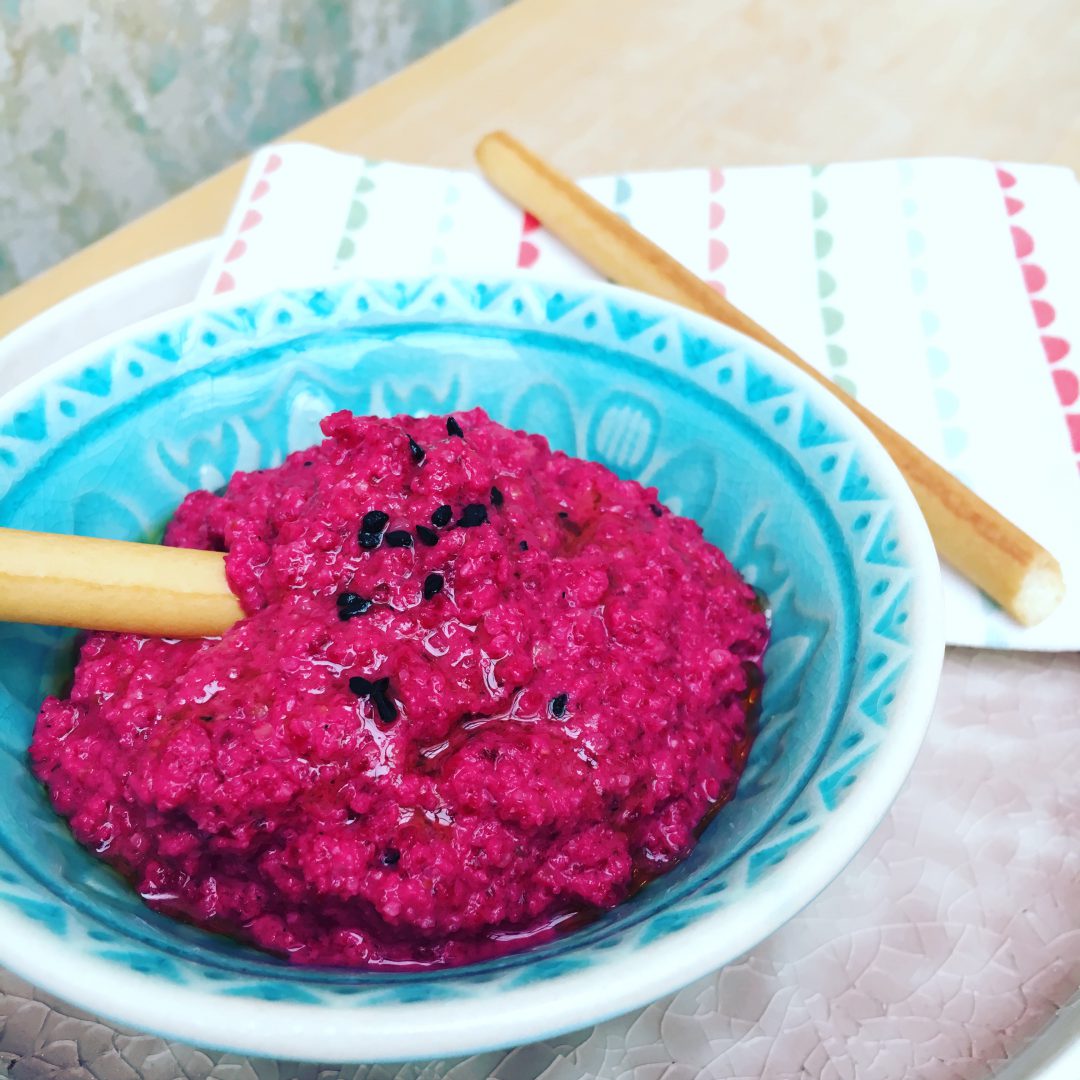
x,y
107,109
943,949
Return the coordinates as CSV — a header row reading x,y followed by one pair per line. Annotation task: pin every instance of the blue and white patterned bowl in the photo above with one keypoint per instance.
x,y
797,492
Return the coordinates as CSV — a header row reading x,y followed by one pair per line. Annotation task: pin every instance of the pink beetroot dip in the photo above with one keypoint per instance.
x,y
495,705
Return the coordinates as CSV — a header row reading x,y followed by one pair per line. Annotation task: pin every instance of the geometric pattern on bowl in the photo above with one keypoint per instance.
x,y
108,443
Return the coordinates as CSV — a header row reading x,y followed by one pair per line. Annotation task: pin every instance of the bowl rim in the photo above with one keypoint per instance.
x,y
610,987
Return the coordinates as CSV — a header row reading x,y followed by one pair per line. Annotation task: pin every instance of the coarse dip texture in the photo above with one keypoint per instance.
x,y
483,690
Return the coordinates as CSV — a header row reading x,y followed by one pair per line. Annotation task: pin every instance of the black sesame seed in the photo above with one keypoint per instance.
x,y
427,536
391,856
386,709
399,538
656,510
371,528
350,604
377,691
416,450
474,514
496,497
441,518
433,585
558,705
523,544
454,428
374,521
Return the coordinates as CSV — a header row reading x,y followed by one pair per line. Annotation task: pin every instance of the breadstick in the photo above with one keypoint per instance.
x,y
114,585
974,538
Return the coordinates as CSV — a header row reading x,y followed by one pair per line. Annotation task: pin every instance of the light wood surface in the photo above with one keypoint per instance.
x,y
609,85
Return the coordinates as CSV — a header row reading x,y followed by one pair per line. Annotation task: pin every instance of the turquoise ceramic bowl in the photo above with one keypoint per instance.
x,y
790,485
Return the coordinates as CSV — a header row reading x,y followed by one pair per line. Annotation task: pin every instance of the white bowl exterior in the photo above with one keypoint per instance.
x,y
436,1028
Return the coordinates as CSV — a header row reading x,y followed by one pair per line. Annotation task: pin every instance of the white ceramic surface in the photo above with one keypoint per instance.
x,y
944,950
138,293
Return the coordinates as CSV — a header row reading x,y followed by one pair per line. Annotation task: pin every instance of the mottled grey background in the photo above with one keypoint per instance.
x,y
109,107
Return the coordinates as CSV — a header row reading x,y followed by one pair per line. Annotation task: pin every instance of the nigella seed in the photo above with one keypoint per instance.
x,y
656,510
350,604
441,518
558,705
454,428
386,709
496,497
523,544
433,585
391,856
427,536
417,451
474,514
399,538
371,528
376,690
